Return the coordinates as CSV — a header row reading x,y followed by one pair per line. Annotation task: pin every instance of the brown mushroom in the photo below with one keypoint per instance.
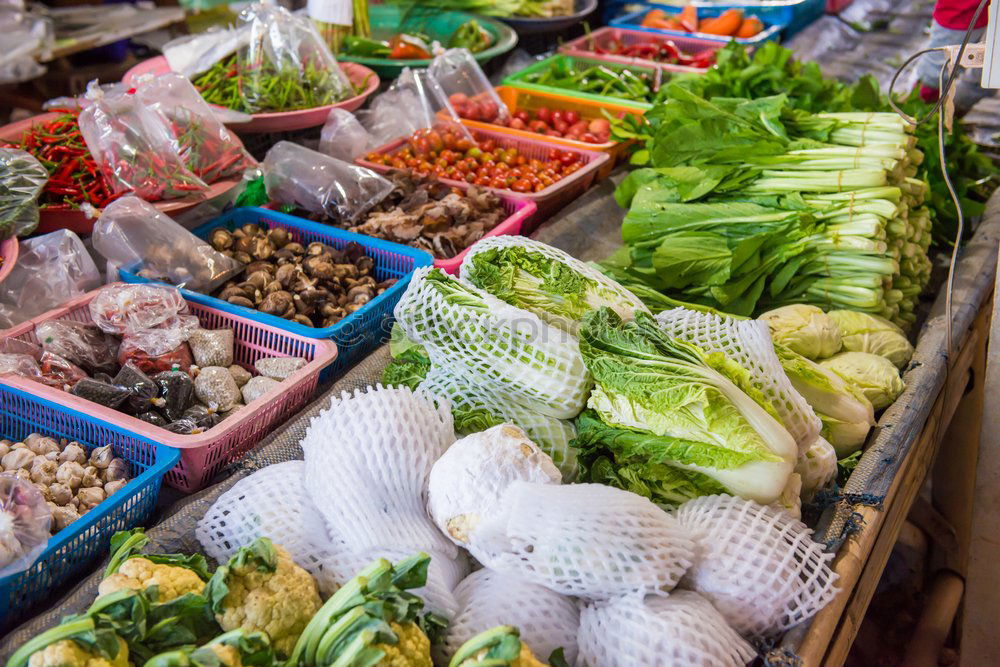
x,y
260,265
295,248
221,239
258,279
302,319
279,236
242,257
240,301
316,248
261,248
278,303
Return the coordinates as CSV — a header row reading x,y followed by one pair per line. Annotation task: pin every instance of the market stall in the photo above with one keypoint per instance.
x,y
431,358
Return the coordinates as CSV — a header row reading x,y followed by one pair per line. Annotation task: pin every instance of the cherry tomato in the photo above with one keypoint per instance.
x,y
463,145
560,125
435,141
522,115
558,116
571,116
538,126
489,145
544,114
518,124
590,138
538,187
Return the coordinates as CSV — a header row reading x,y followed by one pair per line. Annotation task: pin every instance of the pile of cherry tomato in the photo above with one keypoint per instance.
x,y
444,154
550,122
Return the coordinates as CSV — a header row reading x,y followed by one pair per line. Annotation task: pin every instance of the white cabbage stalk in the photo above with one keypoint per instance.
x,y
875,376
817,468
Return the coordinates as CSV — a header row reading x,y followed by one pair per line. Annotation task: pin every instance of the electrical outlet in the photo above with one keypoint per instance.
x,y
991,55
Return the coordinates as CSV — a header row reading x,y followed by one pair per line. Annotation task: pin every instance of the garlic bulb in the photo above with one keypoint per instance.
x,y
60,494
101,457
70,473
90,498
62,517
73,452
16,459
117,470
91,477
40,444
43,471
115,486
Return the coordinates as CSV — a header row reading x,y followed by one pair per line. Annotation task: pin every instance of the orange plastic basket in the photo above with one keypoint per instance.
x,y
531,100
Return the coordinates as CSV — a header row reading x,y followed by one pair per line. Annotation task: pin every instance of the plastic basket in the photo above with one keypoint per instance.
x,y
603,38
775,18
520,212
549,200
658,75
73,549
202,455
355,335
531,100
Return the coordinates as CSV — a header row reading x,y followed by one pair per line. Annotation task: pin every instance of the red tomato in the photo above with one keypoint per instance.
x,y
571,117
599,126
489,110
518,124
463,144
489,145
544,114
557,116
553,133
522,115
538,126
590,138
458,98
435,141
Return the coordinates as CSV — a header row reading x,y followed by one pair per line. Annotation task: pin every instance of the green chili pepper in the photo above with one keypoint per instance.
x,y
361,46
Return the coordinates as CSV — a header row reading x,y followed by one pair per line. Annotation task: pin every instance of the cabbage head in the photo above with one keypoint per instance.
x,y
804,329
670,421
861,332
875,376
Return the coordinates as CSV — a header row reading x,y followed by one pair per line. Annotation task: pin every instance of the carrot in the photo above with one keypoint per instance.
x,y
652,16
751,26
727,23
689,18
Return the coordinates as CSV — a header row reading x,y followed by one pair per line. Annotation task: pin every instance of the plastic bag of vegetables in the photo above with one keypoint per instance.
x,y
494,345
22,178
24,524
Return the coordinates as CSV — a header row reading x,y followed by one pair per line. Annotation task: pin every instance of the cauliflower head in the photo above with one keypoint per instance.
x,y
412,650
501,645
227,655
262,589
67,653
138,574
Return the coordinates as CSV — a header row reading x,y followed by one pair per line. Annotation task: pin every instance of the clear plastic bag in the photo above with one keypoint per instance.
x,y
191,55
25,519
468,91
22,178
285,50
321,184
132,234
50,270
343,137
152,318
82,343
136,151
207,148
415,101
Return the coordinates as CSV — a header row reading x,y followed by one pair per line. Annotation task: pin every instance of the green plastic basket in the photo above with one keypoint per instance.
x,y
389,20
518,80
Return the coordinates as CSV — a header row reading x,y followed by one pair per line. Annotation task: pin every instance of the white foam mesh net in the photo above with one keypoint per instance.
x,y
679,630
604,290
367,459
497,346
486,599
271,503
817,467
758,565
790,499
748,343
588,540
550,434
468,482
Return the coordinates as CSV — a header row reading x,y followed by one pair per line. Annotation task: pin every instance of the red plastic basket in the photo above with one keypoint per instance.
x,y
204,454
583,47
549,200
8,253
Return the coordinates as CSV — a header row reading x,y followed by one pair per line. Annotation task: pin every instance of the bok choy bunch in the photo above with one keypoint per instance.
x,y
670,421
749,205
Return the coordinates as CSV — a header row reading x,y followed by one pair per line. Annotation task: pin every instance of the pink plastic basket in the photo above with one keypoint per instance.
x,y
549,200
204,454
8,253
281,121
583,47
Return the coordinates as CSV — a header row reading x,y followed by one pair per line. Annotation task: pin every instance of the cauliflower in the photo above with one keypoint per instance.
x,y
262,589
237,648
413,648
500,646
227,655
67,653
140,573
370,614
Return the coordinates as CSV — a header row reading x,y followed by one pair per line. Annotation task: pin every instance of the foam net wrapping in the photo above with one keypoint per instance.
x,y
817,467
587,540
749,344
597,289
494,345
790,499
552,435
547,620
273,503
367,459
679,630
758,565
467,484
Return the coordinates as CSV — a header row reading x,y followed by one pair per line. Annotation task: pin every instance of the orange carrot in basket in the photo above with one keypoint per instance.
x,y
652,16
689,18
727,23
751,26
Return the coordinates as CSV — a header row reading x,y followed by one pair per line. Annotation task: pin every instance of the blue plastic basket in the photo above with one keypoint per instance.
x,y
74,548
776,18
357,334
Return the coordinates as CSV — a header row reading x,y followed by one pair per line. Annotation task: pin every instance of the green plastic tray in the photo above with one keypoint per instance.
x,y
518,80
389,20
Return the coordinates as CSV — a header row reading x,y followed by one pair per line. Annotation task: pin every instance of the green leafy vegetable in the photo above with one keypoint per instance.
x,y
126,544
